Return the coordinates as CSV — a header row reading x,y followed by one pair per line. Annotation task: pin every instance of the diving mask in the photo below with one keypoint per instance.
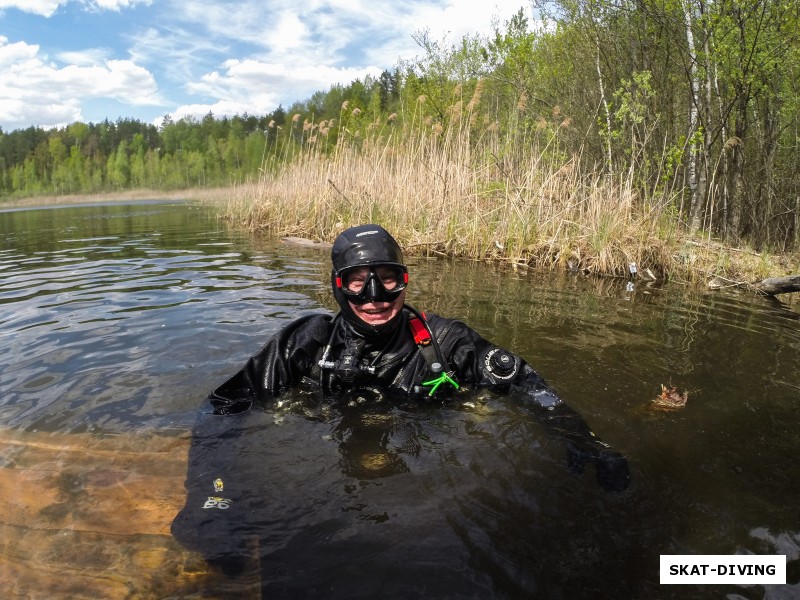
x,y
373,283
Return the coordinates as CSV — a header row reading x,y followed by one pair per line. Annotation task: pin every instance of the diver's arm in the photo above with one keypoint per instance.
x,y
219,478
215,518
477,361
279,365
583,446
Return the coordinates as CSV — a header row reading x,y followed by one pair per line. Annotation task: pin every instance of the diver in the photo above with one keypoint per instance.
x,y
375,347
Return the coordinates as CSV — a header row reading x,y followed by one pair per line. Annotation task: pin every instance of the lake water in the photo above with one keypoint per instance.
x,y
117,320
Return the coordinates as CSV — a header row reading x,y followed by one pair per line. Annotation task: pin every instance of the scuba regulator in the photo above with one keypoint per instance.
x,y
349,364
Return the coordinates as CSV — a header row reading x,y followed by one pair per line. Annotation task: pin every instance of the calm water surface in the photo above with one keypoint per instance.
x,y
116,321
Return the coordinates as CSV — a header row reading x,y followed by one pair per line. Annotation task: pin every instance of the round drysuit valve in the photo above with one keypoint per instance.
x,y
501,365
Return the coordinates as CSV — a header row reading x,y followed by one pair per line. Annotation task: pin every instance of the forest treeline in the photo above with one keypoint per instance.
x,y
692,107
113,156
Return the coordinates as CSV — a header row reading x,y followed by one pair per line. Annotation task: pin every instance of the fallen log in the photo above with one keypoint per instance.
x,y
778,285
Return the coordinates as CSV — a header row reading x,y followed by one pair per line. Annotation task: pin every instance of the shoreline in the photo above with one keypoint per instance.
x,y
743,257
198,194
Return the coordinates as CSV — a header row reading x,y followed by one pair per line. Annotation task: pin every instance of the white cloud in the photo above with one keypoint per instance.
x,y
294,53
35,90
288,32
115,5
14,53
118,79
250,21
227,108
282,32
334,32
463,17
18,114
251,76
45,8
258,88
178,51
224,56
445,21
84,58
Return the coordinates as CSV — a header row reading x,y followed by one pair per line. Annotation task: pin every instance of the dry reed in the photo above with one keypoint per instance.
x,y
453,189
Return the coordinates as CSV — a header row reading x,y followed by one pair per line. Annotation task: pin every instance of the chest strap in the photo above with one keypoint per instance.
x,y
424,341
422,338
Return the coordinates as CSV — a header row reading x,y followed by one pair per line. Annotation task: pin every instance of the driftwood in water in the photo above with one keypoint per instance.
x,y
306,243
778,285
771,286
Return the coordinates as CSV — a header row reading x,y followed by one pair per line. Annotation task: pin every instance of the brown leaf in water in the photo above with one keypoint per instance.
x,y
669,399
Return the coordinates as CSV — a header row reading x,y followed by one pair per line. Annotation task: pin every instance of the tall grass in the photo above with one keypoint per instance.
x,y
466,186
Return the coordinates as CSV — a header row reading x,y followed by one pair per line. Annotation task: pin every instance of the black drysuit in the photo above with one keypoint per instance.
x,y
217,508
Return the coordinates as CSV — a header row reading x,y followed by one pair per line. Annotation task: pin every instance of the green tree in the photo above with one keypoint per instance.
x,y
119,167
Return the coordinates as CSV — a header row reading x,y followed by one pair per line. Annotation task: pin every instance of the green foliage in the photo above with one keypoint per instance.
x,y
89,157
605,87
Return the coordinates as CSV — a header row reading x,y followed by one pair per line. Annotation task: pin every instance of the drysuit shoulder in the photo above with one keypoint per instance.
x,y
280,364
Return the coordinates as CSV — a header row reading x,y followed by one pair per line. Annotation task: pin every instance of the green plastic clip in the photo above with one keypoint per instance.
x,y
443,378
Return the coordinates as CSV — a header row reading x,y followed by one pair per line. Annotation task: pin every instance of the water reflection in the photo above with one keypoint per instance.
x,y
115,322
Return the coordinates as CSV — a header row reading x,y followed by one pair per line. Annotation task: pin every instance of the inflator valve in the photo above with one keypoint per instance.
x,y
502,363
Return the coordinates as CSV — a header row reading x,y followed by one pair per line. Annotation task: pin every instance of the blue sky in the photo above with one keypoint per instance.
x,y
63,61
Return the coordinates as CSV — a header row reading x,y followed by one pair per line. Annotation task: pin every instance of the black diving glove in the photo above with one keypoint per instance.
x,y
611,467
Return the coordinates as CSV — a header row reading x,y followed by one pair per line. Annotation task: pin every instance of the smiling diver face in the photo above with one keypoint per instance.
x,y
369,278
375,294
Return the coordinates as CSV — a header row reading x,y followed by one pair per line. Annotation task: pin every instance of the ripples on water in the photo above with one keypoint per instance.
x,y
98,331
116,321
